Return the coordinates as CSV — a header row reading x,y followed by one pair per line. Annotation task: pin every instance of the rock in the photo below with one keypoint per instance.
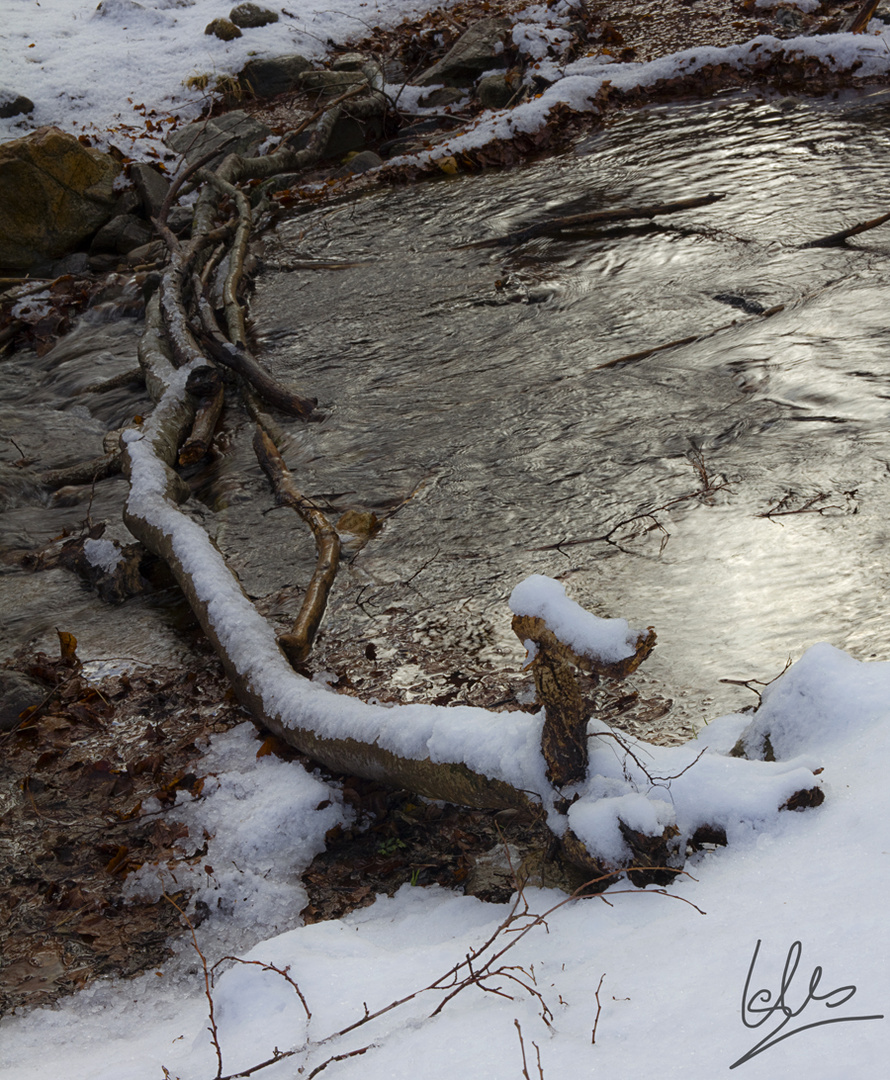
x,y
121,235
76,263
355,164
331,82
479,49
351,134
494,92
148,253
223,29
248,16
12,104
233,133
17,693
349,62
54,194
268,78
151,186
445,95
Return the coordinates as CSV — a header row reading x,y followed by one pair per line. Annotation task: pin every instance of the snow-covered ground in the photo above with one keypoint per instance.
x,y
118,71
662,981
772,959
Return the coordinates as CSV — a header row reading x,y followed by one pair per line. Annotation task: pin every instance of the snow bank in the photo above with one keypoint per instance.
x,y
661,980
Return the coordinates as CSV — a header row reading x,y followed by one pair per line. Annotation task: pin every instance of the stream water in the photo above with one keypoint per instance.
x,y
465,404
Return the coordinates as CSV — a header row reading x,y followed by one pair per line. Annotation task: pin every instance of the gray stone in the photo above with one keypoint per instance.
x,y
359,163
147,253
232,133
120,235
352,134
331,82
445,95
17,693
494,92
248,16
54,194
152,187
76,263
268,78
12,104
224,29
349,62
479,49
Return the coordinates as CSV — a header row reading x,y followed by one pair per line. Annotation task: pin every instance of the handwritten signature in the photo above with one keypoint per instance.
x,y
761,1005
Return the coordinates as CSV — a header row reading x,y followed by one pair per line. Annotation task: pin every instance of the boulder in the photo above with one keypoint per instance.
x,y
121,235
331,82
151,185
233,133
359,163
248,16
353,61
55,193
223,29
444,95
13,104
480,49
494,92
268,78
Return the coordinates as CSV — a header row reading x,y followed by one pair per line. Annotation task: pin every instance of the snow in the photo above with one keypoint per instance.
x,y
608,640
673,974
636,983
103,554
101,68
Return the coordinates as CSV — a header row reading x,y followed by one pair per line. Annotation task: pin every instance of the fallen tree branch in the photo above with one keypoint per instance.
x,y
84,472
554,226
240,361
206,386
298,642
838,239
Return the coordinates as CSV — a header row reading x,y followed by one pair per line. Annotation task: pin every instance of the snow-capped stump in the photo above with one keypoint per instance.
x,y
559,634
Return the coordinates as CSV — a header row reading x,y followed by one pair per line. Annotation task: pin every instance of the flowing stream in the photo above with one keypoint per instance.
x,y
464,402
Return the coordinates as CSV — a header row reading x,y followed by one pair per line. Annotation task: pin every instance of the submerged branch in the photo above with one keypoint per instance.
x,y
555,226
298,642
838,239
240,361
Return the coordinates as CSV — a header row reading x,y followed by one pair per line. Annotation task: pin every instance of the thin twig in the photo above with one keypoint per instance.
x,y
598,1010
214,1032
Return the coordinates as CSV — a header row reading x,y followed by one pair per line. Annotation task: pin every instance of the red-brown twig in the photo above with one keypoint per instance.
x,y
214,1031
599,1008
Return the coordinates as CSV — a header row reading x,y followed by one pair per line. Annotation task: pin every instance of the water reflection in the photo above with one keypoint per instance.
x,y
464,396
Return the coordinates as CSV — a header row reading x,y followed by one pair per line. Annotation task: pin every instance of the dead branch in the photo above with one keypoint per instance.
x,y
709,487
298,642
564,738
134,375
239,360
206,386
599,1007
84,472
862,17
555,226
214,1031
839,239
643,354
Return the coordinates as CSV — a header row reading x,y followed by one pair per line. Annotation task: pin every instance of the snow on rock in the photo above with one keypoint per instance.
x,y
608,640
